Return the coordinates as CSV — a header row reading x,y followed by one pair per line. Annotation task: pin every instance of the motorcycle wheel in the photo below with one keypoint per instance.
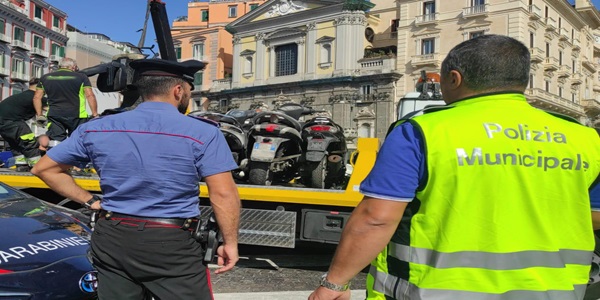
x,y
260,174
318,174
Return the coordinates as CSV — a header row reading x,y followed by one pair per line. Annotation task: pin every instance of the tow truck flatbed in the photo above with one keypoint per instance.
x,y
261,224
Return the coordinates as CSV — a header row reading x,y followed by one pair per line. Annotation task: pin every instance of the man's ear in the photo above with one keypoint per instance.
x,y
455,79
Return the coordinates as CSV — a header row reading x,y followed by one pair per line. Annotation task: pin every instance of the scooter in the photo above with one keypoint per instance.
x,y
325,153
275,145
234,135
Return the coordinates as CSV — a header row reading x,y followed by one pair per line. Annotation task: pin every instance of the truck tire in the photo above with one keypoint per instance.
x,y
593,289
260,174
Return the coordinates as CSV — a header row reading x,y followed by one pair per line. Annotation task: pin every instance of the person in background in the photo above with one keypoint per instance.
x,y
67,92
15,111
488,198
150,161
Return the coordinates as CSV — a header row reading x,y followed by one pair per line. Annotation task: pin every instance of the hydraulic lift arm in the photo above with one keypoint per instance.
x,y
162,30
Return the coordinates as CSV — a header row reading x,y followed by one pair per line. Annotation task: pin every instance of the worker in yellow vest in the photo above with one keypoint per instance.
x,y
486,199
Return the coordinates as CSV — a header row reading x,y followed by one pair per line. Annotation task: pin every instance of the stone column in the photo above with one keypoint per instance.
x,y
311,54
236,67
261,67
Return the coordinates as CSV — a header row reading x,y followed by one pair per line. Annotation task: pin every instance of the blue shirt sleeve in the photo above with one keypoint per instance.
x,y
217,157
71,151
399,167
595,196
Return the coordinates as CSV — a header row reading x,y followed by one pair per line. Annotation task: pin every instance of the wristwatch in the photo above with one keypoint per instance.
x,y
332,286
94,199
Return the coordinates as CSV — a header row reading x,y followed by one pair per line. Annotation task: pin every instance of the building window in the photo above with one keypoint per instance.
x,y
366,89
560,90
573,98
19,34
178,52
38,13
530,81
475,34
429,10
36,71
531,39
286,59
573,66
253,6
57,50
364,130
394,26
38,42
198,78
2,26
477,2
18,66
198,51
2,61
427,46
560,60
204,16
55,21
233,11
547,49
547,86
16,90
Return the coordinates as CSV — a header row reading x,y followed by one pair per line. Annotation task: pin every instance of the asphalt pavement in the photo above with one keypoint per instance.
x,y
295,295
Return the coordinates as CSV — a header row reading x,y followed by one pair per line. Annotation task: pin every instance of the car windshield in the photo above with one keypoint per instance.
x,y
9,193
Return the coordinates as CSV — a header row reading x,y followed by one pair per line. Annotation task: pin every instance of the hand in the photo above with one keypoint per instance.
x,y
96,205
41,121
227,257
322,293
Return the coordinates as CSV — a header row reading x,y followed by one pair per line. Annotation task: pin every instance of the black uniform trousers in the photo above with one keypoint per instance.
x,y
59,128
132,260
12,131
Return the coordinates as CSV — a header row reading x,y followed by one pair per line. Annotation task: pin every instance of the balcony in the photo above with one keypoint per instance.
x,y
596,87
432,59
576,44
21,44
4,71
377,65
475,11
4,38
551,64
426,19
548,101
56,29
40,52
563,34
590,65
19,76
16,7
591,106
550,24
54,58
576,78
535,13
220,85
40,21
537,55
564,71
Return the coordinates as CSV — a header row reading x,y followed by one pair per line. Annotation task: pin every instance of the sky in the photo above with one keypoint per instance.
x,y
120,19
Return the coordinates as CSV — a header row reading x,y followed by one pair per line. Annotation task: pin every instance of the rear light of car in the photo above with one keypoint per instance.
x,y
322,128
271,127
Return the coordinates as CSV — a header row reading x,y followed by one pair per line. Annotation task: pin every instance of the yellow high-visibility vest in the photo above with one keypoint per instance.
x,y
504,213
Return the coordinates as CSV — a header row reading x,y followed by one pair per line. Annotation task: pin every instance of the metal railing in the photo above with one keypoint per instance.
x,y
475,10
426,18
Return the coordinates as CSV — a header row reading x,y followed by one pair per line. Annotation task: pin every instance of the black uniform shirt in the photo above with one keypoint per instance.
x,y
18,107
64,89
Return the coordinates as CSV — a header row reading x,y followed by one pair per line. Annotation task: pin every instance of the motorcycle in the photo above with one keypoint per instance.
x,y
234,135
276,144
325,153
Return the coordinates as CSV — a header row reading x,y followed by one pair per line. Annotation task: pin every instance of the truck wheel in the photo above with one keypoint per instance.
x,y
260,174
593,289
318,174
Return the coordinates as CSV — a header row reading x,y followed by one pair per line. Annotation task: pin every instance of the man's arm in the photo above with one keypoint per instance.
x,y
37,101
596,219
369,230
91,99
225,201
57,177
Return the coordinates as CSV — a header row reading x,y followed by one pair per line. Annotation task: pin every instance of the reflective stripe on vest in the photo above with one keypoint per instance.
x,y
28,137
490,261
401,289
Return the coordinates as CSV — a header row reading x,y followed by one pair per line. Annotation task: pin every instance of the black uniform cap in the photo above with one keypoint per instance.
x,y
160,67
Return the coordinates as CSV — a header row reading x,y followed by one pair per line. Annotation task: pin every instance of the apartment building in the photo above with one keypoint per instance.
x,y
560,35
201,35
32,39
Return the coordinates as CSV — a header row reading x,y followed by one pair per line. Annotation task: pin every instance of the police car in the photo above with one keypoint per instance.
x,y
43,250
